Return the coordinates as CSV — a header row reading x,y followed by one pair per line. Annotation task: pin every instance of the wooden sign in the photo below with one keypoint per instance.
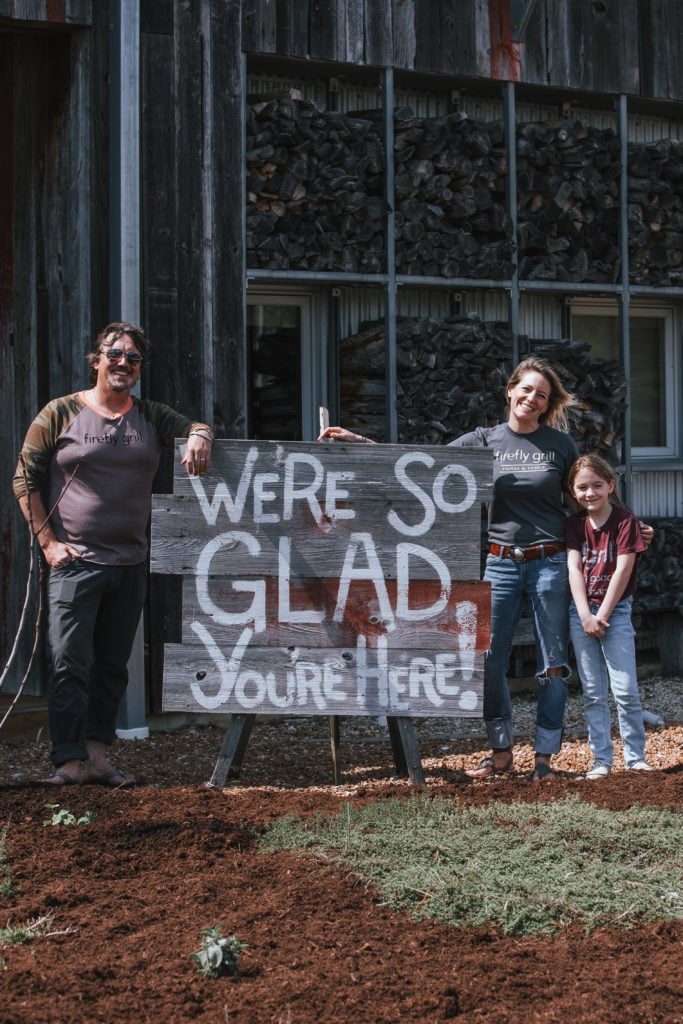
x,y
327,579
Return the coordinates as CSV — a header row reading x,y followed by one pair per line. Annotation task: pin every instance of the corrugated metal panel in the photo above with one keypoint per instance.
x,y
657,493
651,129
540,316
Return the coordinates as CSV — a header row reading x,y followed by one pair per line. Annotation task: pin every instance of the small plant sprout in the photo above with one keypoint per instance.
x,y
219,955
60,816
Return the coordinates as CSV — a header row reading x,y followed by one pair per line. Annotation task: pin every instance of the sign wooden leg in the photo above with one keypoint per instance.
x,y
403,736
232,751
334,744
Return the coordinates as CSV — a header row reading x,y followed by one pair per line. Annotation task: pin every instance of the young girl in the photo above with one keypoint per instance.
x,y
603,541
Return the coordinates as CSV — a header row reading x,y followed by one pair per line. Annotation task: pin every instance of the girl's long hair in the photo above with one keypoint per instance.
x,y
601,468
560,399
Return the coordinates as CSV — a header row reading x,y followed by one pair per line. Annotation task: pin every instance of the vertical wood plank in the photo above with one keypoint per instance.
x,y
292,27
661,48
378,34
323,28
227,203
403,29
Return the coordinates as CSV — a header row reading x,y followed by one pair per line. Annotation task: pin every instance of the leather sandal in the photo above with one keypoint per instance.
x,y
543,772
488,767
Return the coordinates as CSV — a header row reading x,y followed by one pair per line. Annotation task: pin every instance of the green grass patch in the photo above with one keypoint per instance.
x,y
531,868
6,884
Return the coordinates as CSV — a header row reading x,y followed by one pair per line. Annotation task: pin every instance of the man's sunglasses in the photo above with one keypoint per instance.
x,y
114,354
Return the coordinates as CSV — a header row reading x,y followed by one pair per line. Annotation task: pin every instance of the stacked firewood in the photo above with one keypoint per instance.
x,y
315,183
450,182
568,202
658,601
315,197
451,379
655,213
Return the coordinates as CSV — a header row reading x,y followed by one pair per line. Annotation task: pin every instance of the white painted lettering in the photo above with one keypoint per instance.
x,y
372,571
262,495
403,610
427,504
305,491
222,496
256,611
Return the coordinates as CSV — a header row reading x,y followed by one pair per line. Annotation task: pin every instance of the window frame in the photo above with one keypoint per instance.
x,y
314,360
669,313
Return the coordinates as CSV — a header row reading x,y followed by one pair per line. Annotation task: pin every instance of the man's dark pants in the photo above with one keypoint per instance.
x,y
94,611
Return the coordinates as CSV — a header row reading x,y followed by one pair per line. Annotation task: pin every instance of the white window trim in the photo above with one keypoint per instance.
x,y
671,450
313,352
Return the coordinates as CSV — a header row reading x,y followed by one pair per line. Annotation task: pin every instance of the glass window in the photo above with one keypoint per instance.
x,y
287,365
652,358
274,352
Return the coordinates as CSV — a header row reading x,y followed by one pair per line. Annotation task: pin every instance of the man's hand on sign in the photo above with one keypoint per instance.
x,y
197,454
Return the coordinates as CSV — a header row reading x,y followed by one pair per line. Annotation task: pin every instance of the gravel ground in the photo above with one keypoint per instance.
x,y
295,752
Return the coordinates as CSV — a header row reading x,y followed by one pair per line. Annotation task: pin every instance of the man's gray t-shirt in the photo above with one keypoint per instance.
x,y
529,473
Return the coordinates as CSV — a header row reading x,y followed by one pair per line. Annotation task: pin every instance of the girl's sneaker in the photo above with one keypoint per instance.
x,y
598,771
640,766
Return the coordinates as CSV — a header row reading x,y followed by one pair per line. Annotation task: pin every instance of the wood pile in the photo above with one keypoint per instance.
x,y
660,571
451,379
315,183
450,181
655,213
568,202
315,197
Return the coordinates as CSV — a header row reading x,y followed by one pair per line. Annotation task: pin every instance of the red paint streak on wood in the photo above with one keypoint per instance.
x,y
362,614
55,10
505,53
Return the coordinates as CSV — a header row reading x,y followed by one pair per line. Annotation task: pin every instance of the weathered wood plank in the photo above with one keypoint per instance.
x,y
404,33
461,624
181,539
314,681
378,34
66,12
660,40
292,27
323,19
227,331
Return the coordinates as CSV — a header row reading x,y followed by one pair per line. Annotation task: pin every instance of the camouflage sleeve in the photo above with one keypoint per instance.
x,y
168,423
40,443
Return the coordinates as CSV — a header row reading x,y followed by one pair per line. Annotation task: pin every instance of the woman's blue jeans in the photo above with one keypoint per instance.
x,y
94,611
604,662
544,582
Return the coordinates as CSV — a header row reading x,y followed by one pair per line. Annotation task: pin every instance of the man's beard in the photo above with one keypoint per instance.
x,y
117,384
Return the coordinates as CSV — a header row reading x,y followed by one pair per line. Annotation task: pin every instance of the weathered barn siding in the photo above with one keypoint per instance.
x,y
613,46
52,253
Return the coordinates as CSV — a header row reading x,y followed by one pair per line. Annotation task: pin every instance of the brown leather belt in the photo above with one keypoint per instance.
x,y
518,554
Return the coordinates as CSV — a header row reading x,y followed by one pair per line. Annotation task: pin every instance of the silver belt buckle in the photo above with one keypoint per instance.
x,y
516,554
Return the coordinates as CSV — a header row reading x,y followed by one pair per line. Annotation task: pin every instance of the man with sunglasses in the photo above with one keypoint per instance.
x,y
84,482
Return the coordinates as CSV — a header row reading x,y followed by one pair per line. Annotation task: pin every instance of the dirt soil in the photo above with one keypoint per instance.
x,y
129,894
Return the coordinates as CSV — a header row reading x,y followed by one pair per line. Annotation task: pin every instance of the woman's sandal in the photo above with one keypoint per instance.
x,y
542,772
488,767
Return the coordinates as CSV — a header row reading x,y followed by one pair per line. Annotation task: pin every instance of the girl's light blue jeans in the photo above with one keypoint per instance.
x,y
604,662
544,582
